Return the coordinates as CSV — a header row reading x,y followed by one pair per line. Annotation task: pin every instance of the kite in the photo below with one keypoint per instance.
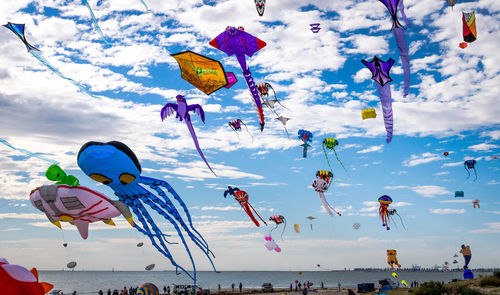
x,y
17,280
260,5
202,72
315,28
470,165
392,258
356,226
468,274
55,173
235,41
270,244
392,212
459,194
323,268
140,244
27,153
181,110
331,143
383,210
476,203
94,21
380,74
368,113
321,184
231,80
18,29
242,198
296,228
145,5
469,28
115,165
71,264
446,154
263,89
278,219
236,126
148,289
149,267
283,121
306,136
399,34
311,218
451,2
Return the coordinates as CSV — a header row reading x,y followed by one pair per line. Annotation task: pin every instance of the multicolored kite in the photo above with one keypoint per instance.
x,y
17,280
242,198
383,210
469,28
470,165
306,136
260,5
278,219
236,126
331,143
380,74
321,184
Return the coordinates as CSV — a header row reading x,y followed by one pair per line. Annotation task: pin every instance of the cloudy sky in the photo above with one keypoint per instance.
x,y
453,106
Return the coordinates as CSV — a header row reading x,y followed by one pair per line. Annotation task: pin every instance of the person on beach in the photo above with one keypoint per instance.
x,y
300,286
109,292
467,255
241,286
322,286
291,286
339,285
232,286
168,290
295,286
100,292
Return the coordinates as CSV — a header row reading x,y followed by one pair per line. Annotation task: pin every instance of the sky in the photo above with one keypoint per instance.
x,y
453,106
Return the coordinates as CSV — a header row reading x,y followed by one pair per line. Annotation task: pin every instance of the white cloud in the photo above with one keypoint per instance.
x,y
373,148
491,228
422,159
483,147
447,211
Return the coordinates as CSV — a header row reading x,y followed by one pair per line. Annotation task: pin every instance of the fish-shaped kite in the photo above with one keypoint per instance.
x,y
380,74
18,29
399,34
235,41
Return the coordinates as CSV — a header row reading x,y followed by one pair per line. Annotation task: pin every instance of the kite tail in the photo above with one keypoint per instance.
x,y
145,5
249,213
38,55
475,178
247,130
399,34
326,155
386,100
283,230
401,221
94,22
304,151
237,134
340,161
327,206
257,213
468,173
255,94
195,139
401,7
28,153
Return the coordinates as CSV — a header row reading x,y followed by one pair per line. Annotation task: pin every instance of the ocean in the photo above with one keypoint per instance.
x,y
90,282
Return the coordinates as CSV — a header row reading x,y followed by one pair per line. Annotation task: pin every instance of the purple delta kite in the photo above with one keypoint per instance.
x,y
399,34
380,74
181,110
235,41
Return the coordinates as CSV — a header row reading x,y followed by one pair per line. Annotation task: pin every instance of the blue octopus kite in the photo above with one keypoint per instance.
x,y
470,165
115,165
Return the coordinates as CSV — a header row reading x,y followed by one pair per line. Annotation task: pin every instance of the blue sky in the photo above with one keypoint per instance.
x,y
453,106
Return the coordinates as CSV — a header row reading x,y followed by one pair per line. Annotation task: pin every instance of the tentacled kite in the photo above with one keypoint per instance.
x,y
202,72
115,165
330,143
263,89
95,24
399,34
391,213
260,5
321,184
470,165
181,110
306,136
278,219
380,74
446,154
270,244
18,29
242,198
383,210
469,28
235,41
236,126
368,113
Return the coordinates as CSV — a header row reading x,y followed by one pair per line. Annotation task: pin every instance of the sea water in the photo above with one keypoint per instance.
x,y
90,282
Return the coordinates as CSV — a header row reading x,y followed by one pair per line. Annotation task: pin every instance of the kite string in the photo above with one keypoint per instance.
x,y
28,153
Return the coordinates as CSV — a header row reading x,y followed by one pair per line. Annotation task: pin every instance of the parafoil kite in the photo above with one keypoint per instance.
x,y
115,165
278,219
476,203
368,113
75,204
18,29
26,152
181,110
383,210
296,228
17,280
236,126
315,28
331,143
392,258
399,34
391,213
459,194
380,74
260,5
469,28
306,136
270,244
242,198
235,41
148,289
470,165
202,72
321,184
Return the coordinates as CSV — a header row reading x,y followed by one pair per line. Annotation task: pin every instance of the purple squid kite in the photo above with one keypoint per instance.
x,y
235,41
380,74
399,34
181,110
